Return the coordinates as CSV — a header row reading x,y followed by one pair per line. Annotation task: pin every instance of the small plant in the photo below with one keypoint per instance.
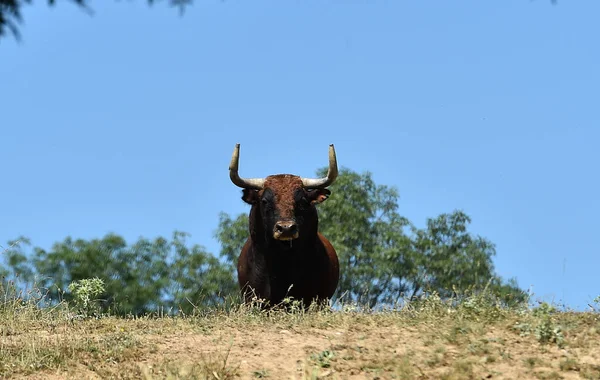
x,y
479,305
569,364
84,294
543,326
219,367
323,359
531,362
260,374
546,331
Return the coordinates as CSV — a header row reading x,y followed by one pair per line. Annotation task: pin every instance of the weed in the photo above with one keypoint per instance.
x,y
261,374
531,362
546,330
547,375
569,364
84,294
323,359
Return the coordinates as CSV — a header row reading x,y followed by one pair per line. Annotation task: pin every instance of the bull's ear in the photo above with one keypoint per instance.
x,y
318,196
250,196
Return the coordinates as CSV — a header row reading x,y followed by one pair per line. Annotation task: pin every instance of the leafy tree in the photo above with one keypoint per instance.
x,y
199,278
385,258
450,259
11,12
232,234
138,278
134,276
361,220
17,259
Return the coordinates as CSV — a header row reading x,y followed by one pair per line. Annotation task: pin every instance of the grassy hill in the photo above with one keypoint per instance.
x,y
473,338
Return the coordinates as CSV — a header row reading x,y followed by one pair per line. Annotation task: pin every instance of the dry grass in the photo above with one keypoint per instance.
x,y
426,340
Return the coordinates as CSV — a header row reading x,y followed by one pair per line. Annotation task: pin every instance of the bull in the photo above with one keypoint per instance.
x,y
285,255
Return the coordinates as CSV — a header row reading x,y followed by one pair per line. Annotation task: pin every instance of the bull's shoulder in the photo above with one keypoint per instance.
x,y
328,246
331,253
334,265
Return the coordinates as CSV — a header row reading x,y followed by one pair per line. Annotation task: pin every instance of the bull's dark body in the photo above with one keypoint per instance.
x,y
311,269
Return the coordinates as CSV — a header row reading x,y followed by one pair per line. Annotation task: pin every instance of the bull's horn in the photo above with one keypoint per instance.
x,y
246,183
317,183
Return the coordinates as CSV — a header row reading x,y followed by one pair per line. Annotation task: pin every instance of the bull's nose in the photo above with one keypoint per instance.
x,y
286,227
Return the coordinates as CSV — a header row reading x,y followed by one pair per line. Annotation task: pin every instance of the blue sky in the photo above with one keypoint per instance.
x,y
125,121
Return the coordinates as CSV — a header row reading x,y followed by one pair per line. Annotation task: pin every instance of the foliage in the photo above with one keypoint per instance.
x,y
11,12
361,220
138,278
384,258
232,234
542,321
448,258
199,278
84,292
546,329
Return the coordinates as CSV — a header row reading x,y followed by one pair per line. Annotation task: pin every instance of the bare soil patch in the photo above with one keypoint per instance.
x,y
329,345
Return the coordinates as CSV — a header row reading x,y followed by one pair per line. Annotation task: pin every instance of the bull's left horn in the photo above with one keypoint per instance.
x,y
246,183
332,173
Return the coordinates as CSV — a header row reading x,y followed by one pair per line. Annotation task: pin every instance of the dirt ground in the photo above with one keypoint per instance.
x,y
345,347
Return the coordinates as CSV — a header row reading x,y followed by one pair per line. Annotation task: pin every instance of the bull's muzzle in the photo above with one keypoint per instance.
x,y
285,230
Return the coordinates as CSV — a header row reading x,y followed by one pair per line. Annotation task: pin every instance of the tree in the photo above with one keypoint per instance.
x,y
451,259
199,278
361,220
383,257
232,234
139,278
11,12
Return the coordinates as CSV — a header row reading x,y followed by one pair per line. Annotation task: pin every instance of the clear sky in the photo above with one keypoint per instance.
x,y
125,121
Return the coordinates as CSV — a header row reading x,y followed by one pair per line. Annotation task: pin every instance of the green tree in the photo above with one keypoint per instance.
x,y
383,257
449,258
134,276
232,234
361,220
199,278
138,278
17,260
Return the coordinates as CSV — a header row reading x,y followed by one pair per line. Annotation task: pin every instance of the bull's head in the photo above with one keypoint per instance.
x,y
285,203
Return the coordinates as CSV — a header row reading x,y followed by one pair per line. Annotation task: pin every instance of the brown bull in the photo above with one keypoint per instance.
x,y
285,255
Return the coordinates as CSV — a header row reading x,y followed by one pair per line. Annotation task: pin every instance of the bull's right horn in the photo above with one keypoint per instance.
x,y
246,183
319,183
